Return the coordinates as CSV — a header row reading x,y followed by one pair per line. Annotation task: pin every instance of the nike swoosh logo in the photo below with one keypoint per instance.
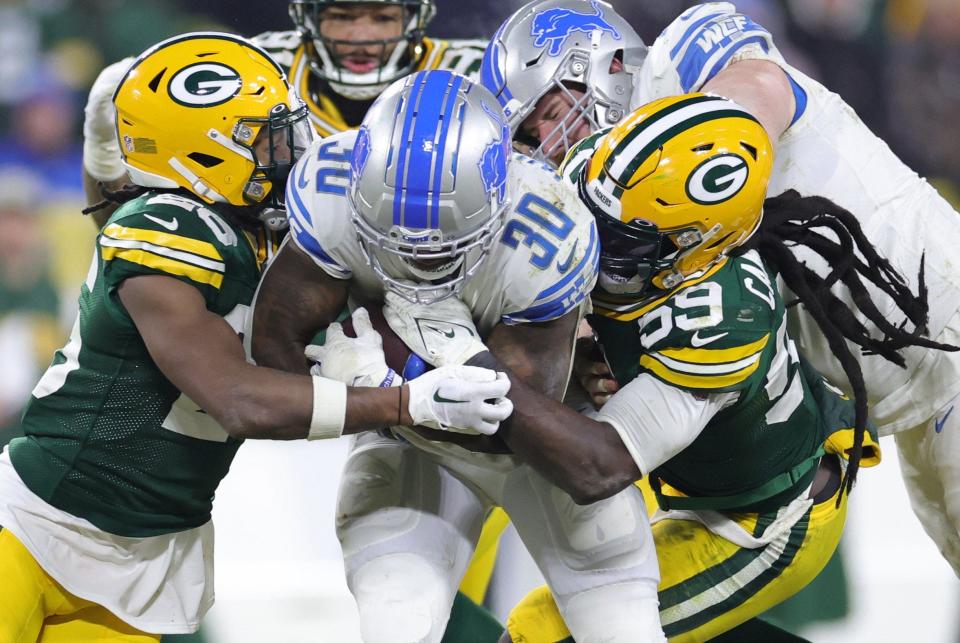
x,y
938,425
171,225
698,341
446,333
302,182
564,266
438,398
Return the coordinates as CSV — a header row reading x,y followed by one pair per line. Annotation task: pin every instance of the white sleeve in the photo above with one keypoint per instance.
x,y
657,421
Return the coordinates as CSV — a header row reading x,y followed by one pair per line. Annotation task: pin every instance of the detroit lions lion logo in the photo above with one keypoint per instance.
x,y
493,161
553,26
361,151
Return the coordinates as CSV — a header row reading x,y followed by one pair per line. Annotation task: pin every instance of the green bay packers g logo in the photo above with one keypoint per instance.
x,y
204,85
717,179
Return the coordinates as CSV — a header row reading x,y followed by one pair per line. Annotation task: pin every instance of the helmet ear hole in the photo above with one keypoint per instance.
x,y
155,82
206,160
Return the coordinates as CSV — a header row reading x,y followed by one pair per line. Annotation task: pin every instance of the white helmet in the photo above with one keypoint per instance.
x,y
306,15
428,183
563,44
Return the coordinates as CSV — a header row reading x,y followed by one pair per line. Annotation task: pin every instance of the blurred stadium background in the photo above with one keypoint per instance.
x,y
897,62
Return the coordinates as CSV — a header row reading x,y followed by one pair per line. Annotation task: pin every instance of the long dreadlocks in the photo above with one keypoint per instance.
x,y
121,195
790,220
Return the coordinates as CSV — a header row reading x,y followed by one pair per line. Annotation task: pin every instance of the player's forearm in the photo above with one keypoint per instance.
x,y
585,458
262,403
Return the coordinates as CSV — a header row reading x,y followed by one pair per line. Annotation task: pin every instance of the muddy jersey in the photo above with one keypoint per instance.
x,y
289,50
828,151
542,265
107,437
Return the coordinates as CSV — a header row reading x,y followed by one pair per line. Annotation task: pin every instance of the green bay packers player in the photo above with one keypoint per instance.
x,y
742,441
105,531
339,57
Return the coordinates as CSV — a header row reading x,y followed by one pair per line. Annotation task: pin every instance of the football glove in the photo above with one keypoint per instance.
x,y
101,149
356,361
462,399
442,333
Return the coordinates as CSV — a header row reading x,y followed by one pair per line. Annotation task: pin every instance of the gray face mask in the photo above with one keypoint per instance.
x,y
557,44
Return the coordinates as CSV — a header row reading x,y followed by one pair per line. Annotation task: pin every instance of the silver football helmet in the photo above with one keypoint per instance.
x,y
565,45
399,62
428,183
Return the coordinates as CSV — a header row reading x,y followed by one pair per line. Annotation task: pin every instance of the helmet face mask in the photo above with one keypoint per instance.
x,y
674,189
396,55
213,114
552,46
427,184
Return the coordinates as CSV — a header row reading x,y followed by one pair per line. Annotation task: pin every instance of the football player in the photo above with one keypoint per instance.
x,y
437,209
339,57
105,504
741,440
587,58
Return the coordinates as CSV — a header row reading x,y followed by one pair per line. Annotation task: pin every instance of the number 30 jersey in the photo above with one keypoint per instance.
x,y
542,266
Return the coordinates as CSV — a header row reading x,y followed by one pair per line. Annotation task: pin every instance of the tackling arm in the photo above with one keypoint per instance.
x,y
295,299
203,357
585,458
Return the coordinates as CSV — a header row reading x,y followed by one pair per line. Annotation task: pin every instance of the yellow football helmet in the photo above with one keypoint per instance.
x,y
190,112
674,188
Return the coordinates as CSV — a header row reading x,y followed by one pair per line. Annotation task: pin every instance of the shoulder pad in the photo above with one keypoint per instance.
x,y
281,45
318,184
460,56
164,233
548,247
579,155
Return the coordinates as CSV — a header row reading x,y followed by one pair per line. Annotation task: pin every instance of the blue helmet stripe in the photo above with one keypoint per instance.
x,y
490,76
421,147
399,181
445,125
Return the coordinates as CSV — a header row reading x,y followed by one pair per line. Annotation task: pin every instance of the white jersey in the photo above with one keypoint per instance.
x,y
542,266
828,151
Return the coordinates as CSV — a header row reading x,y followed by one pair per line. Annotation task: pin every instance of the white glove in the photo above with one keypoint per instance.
x,y
101,149
356,361
442,333
462,399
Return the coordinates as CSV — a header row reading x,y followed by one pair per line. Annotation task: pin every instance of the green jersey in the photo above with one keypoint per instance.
x,y
726,332
108,438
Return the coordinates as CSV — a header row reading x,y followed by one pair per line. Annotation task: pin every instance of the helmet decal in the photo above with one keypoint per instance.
x,y
553,26
361,150
204,85
717,179
493,162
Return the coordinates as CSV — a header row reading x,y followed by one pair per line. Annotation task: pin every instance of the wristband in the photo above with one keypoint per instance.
x,y
329,409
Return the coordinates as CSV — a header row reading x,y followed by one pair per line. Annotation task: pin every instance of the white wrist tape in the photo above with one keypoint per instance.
x,y
329,409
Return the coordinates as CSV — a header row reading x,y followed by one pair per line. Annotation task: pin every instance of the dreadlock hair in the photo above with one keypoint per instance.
x,y
790,220
127,192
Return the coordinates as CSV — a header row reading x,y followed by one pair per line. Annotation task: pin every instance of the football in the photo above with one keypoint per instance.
x,y
398,355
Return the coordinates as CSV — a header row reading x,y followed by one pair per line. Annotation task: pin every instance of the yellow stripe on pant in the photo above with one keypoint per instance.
x,y
34,608
708,584
477,579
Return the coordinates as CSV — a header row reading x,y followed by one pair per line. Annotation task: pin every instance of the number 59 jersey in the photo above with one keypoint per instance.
x,y
542,265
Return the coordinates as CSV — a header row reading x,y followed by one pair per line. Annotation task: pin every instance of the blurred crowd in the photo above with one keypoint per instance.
x,y
897,62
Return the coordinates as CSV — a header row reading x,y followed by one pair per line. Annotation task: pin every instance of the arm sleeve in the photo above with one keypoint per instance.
x,y
656,421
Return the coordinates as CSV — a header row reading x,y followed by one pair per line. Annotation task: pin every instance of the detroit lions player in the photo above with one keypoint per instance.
x,y
341,54
822,148
427,203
